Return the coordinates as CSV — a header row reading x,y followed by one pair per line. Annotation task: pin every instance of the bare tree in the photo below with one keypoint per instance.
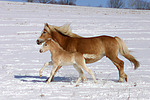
x,y
116,3
148,6
44,1
39,1
29,0
52,2
63,2
139,4
67,2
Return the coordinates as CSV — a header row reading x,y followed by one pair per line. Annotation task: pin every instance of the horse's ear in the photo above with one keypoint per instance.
x,y
46,24
47,27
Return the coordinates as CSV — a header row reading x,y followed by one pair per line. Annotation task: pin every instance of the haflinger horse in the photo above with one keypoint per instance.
x,y
62,57
93,48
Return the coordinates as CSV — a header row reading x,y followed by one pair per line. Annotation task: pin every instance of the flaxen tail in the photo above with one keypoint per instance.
x,y
125,52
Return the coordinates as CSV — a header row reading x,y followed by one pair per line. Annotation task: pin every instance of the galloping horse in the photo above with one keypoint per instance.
x,y
93,48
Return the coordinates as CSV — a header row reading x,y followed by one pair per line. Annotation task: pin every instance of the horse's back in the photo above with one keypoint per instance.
x,y
92,45
95,44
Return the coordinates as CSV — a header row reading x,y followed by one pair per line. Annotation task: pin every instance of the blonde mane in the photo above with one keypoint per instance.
x,y
65,29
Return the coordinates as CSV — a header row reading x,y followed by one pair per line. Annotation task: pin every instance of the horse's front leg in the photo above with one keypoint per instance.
x,y
45,65
52,73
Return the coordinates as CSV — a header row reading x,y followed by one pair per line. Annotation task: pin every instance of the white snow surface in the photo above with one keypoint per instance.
x,y
20,61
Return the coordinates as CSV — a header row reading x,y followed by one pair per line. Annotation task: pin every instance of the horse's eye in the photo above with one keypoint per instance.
x,y
44,32
45,44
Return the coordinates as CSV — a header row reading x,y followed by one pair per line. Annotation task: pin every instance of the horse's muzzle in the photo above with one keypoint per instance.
x,y
39,41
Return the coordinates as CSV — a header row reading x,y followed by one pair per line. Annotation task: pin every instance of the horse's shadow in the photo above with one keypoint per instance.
x,y
34,79
43,79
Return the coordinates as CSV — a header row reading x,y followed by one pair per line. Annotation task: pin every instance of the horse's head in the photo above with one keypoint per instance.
x,y
46,33
46,46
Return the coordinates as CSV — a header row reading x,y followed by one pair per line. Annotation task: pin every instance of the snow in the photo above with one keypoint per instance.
x,y
20,61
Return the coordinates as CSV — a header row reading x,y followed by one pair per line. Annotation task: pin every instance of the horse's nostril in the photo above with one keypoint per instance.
x,y
41,50
37,41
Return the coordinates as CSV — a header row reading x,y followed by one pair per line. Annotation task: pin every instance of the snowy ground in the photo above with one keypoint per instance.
x,y
20,60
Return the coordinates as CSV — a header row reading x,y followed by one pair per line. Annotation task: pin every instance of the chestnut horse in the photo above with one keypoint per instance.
x,y
93,48
71,58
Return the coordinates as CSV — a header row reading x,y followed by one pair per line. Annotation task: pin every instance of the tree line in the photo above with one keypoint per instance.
x,y
131,4
62,2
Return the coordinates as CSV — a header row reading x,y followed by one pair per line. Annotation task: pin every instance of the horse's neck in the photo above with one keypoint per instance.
x,y
54,48
59,38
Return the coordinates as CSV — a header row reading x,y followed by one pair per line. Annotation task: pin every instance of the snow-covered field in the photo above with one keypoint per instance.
x,y
20,60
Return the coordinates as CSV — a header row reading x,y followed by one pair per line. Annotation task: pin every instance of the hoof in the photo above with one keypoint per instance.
x,y
50,81
126,79
121,80
95,82
47,82
84,78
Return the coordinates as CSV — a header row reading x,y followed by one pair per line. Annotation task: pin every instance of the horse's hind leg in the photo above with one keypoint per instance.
x,y
120,66
90,72
80,72
81,64
45,65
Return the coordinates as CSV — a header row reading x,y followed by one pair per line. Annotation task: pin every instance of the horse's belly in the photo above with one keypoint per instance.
x,y
66,63
91,58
